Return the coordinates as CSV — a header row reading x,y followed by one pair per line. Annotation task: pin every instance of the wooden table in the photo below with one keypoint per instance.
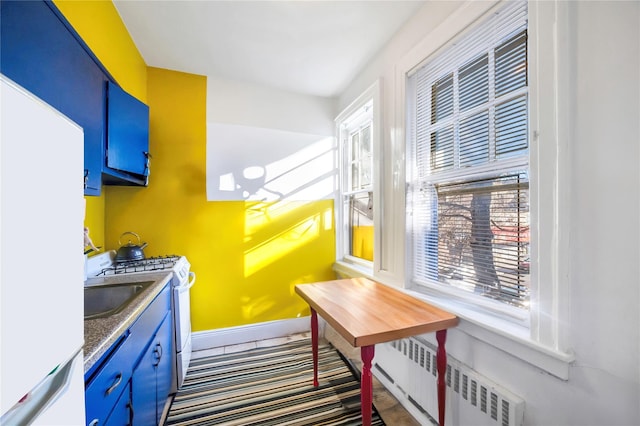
x,y
365,313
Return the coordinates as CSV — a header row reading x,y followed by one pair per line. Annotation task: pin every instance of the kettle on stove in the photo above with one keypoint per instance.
x,y
130,251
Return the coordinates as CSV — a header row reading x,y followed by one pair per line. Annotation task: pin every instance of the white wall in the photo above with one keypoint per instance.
x,y
605,198
267,144
597,116
233,102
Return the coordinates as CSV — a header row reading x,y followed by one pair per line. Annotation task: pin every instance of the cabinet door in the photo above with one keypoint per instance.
x,y
104,390
127,132
121,414
152,377
39,52
164,371
143,388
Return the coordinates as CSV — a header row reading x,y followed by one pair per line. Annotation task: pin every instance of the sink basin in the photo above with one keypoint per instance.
x,y
106,300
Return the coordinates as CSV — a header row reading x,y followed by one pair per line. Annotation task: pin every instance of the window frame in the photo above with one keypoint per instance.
x,y
348,119
544,342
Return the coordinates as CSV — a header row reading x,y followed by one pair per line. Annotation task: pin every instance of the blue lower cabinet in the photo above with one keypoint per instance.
x,y
166,363
151,379
104,391
144,390
131,384
121,414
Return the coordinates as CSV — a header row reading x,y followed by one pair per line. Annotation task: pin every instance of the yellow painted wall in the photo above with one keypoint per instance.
x,y
247,256
94,220
362,245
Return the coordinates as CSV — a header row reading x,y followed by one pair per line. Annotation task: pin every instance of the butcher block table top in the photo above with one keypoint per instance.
x,y
366,313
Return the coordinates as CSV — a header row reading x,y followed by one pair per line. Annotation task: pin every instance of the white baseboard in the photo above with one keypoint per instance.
x,y
209,339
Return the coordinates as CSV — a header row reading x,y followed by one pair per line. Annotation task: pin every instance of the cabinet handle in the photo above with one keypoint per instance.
x,y
147,167
158,352
147,162
86,180
115,384
94,422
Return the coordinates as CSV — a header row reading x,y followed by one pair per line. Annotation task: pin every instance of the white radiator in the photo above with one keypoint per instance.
x,y
407,368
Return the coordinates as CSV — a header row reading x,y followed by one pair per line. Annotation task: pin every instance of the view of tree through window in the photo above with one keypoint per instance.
x,y
483,237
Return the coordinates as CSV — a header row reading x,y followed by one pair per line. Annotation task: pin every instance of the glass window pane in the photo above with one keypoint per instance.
x,y
355,176
511,126
361,225
365,145
425,241
442,99
474,139
511,64
355,146
474,83
483,238
365,156
365,175
442,149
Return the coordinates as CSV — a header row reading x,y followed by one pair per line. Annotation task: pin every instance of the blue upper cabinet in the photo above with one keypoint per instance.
x,y
41,51
127,135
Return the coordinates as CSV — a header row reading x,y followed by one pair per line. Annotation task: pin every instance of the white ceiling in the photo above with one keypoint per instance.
x,y
309,47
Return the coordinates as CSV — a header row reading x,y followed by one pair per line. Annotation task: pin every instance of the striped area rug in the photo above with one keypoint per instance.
x,y
269,386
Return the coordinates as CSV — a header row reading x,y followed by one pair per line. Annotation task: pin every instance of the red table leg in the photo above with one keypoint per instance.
x,y
366,388
314,345
441,364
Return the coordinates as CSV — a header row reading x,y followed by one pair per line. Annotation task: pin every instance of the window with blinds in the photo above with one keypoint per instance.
x,y
468,192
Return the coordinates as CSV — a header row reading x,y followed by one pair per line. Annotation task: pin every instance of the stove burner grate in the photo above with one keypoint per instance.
x,y
150,264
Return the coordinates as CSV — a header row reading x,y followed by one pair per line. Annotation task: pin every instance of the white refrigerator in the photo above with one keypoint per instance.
x,y
42,262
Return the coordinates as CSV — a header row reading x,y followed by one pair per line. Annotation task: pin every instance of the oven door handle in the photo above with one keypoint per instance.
x,y
192,281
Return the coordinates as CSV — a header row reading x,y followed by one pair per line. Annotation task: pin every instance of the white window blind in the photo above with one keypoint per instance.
x,y
468,192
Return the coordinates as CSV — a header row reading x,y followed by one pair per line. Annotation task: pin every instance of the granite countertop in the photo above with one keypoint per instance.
x,y
101,333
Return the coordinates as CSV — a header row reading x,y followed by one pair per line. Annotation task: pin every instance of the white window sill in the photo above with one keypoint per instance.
x,y
350,270
500,333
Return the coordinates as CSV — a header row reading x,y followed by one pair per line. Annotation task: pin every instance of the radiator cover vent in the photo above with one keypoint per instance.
x,y
472,399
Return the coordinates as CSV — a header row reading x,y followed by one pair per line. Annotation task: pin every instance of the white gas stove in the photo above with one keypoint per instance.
x,y
104,265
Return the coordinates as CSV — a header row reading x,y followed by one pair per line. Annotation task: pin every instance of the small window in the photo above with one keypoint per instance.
x,y
356,189
357,196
